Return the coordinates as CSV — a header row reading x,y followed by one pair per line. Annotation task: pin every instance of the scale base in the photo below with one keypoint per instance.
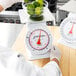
x,y
62,41
37,56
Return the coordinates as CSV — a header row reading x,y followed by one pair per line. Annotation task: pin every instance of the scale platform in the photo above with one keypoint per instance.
x,y
48,16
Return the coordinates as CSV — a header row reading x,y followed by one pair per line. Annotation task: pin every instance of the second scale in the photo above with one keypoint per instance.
x,y
68,32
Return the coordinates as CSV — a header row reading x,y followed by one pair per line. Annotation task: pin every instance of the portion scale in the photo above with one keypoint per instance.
x,y
68,32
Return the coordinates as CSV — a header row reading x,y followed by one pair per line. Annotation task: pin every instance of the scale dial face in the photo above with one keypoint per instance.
x,y
68,29
38,40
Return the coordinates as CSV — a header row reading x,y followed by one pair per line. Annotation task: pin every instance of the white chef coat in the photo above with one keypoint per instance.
x,y
7,3
14,64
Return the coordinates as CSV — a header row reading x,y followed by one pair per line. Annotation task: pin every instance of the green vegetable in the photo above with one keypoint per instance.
x,y
31,12
30,9
38,10
26,1
30,6
35,9
40,2
36,4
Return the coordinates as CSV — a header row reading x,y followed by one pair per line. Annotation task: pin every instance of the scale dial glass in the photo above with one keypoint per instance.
x,y
39,39
68,29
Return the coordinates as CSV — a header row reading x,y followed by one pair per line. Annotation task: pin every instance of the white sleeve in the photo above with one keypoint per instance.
x,y
22,67
17,66
15,63
52,69
7,3
5,54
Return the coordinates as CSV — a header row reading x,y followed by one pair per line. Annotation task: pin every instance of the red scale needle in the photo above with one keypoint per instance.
x,y
71,31
39,41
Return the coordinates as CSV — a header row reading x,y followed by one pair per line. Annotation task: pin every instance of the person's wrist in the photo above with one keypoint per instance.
x,y
56,60
54,57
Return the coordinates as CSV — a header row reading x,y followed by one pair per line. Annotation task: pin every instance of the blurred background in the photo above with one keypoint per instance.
x,y
10,24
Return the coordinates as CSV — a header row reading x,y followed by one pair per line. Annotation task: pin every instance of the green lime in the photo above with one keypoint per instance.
x,y
36,4
38,10
26,1
31,12
31,9
30,6
40,1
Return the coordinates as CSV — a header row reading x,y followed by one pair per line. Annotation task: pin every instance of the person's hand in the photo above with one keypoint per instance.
x,y
55,53
1,8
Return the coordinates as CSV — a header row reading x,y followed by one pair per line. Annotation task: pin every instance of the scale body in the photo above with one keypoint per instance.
x,y
68,32
36,48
